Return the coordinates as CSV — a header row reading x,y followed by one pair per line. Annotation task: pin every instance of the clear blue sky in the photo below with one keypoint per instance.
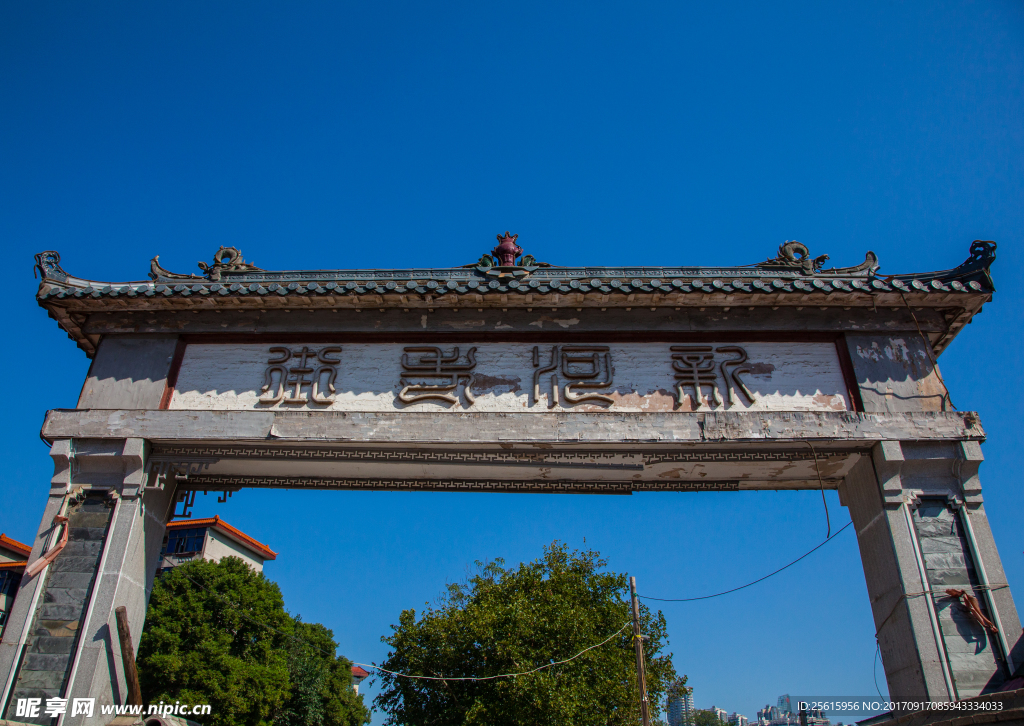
x,y
408,134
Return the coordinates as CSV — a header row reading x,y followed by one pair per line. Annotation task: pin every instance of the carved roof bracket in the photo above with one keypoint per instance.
x,y
156,272
48,266
796,256
226,259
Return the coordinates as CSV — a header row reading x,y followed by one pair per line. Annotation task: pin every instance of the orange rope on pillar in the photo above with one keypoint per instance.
x,y
36,567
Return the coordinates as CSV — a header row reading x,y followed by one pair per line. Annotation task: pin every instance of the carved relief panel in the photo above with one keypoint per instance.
x,y
512,377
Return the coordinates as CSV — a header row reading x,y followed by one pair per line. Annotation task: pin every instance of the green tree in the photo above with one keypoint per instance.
x,y
218,633
517,619
706,718
321,692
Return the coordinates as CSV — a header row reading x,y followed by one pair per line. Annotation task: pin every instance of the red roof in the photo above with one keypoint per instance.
x,y
220,524
13,565
15,545
358,672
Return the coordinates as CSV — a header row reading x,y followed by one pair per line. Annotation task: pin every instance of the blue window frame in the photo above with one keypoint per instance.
x,y
185,541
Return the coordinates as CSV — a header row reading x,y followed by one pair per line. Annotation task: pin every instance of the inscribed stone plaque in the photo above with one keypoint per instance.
x,y
512,377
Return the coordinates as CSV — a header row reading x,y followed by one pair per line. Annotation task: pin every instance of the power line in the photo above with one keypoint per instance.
x,y
394,673
548,665
502,675
760,579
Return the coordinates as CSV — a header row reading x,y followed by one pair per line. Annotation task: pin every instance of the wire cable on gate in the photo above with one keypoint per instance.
x,y
828,536
760,579
821,484
874,669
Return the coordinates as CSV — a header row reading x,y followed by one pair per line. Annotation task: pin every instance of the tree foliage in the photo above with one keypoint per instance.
x,y
321,685
218,633
513,620
706,718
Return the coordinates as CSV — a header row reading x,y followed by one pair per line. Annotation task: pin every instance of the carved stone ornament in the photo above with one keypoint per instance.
x,y
795,256
502,262
983,253
226,259
165,469
48,266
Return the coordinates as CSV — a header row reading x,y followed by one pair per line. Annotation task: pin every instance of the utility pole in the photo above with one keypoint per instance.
x,y
641,674
131,675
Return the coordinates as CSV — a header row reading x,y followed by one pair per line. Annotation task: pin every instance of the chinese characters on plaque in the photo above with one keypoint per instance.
x,y
563,375
293,372
694,367
429,363
585,367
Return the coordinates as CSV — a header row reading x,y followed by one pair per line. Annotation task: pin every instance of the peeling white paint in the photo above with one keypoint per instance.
x,y
563,323
466,324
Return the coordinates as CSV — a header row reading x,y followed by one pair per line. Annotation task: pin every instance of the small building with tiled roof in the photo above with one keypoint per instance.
x,y
13,558
358,676
11,550
211,539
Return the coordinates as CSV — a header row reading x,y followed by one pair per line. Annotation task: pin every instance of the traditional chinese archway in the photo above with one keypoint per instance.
x,y
514,375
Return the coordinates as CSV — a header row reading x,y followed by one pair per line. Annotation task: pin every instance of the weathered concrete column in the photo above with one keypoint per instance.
x,y
30,591
921,529
68,646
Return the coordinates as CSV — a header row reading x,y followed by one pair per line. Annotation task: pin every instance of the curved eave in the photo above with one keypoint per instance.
x,y
959,292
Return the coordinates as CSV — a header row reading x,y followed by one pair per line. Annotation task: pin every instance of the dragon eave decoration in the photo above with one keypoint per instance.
x,y
795,256
226,259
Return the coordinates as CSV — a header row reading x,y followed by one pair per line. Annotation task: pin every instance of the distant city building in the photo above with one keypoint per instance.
x,y
680,705
722,714
816,717
787,713
773,716
13,558
738,719
211,539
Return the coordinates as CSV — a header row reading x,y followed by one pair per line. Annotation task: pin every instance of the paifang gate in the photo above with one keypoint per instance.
x,y
514,375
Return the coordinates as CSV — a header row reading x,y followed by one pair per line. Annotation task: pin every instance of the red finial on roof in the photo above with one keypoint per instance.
x,y
507,250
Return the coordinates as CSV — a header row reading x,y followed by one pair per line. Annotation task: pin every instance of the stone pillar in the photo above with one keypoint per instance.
x,y
921,529
117,529
30,591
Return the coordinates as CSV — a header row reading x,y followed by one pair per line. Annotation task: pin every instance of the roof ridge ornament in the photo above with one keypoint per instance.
x,y
225,259
796,256
48,266
502,261
507,250
982,251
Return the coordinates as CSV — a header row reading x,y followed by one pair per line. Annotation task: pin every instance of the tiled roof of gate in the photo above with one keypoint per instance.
x,y
787,273
793,277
